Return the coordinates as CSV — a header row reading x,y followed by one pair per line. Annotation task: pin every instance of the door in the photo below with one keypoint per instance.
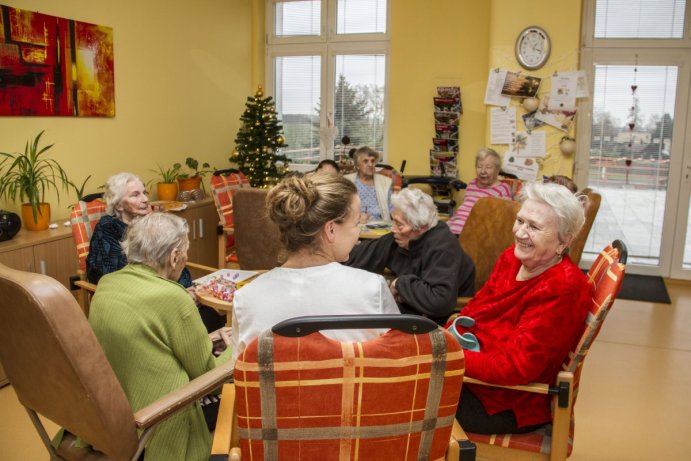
x,y
638,157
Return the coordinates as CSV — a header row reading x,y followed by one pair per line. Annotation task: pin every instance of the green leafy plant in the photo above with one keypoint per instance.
x,y
30,174
168,175
193,166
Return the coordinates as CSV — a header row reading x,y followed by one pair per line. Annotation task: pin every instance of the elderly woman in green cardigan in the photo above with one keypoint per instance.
x,y
153,336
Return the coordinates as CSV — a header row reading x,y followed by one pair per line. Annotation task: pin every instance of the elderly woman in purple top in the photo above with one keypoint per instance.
x,y
374,189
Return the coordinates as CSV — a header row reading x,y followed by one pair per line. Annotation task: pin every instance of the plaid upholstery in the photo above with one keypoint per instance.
x,y
393,397
515,186
223,188
396,178
84,217
606,274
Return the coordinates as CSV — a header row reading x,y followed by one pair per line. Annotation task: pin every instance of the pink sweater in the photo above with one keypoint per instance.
x,y
473,193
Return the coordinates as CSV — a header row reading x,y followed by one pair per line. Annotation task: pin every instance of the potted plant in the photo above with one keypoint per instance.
x,y
193,179
167,188
29,175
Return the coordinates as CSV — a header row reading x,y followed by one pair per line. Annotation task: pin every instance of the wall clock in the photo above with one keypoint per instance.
x,y
532,48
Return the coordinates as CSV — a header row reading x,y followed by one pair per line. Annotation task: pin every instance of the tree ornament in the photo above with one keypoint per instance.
x,y
280,140
259,92
567,146
531,104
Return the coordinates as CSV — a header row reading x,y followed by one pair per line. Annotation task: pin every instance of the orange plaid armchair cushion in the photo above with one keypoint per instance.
x,y
84,217
223,187
606,274
311,397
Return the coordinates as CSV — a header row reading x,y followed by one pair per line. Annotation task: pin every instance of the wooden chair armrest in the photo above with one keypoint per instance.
x,y
537,388
462,301
460,447
83,284
225,437
179,398
201,267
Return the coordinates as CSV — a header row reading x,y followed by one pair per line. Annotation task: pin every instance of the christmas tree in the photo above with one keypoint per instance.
x,y
258,141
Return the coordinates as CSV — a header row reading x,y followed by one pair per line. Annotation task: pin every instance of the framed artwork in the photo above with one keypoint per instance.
x,y
54,66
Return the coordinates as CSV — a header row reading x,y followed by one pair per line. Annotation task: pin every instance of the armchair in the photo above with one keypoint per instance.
x,y
300,395
555,441
58,370
224,184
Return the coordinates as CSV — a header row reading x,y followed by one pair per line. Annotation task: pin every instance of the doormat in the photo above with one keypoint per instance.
x,y
647,288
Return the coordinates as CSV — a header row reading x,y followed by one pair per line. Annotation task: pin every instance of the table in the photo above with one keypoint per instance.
x,y
373,233
206,298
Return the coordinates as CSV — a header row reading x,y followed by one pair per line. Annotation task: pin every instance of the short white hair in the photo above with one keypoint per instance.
x,y
116,188
419,208
151,238
569,207
485,152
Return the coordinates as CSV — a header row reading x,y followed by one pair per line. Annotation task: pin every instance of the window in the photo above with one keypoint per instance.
x,y
327,70
639,18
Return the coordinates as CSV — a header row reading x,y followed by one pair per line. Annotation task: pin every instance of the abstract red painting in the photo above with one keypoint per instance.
x,y
55,66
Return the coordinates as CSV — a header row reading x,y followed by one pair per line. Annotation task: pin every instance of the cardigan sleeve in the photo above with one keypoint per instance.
x,y
435,289
541,338
105,251
190,342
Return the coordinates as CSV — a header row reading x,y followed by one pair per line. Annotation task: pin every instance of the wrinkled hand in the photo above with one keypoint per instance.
x,y
192,291
394,292
220,340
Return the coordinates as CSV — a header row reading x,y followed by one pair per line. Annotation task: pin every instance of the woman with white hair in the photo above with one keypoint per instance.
x,y
151,334
126,199
373,189
430,268
486,184
527,316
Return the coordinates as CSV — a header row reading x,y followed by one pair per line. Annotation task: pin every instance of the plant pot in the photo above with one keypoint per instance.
x,y
195,182
167,190
42,216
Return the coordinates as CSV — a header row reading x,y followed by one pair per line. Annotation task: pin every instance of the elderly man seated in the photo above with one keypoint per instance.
x,y
430,268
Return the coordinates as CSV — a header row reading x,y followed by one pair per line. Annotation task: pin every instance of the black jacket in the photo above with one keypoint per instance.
x,y
431,274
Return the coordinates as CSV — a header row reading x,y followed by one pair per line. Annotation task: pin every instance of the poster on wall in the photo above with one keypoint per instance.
x,y
51,66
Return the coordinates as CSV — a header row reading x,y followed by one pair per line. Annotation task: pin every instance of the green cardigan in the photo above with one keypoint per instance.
x,y
154,339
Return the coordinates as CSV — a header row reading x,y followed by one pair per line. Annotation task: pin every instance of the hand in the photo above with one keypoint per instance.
x,y
192,291
364,217
394,292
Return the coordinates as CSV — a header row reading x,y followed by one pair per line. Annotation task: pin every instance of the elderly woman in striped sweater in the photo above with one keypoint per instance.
x,y
486,184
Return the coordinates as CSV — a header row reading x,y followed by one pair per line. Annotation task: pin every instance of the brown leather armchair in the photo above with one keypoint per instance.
x,y
58,369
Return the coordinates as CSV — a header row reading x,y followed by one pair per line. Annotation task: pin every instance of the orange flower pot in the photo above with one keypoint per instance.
x,y
195,182
167,191
42,216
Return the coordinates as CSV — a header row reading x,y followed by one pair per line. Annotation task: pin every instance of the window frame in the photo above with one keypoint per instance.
x,y
328,45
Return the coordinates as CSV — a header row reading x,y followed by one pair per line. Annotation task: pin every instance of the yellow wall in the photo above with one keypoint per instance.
x,y
182,73
440,43
562,21
456,42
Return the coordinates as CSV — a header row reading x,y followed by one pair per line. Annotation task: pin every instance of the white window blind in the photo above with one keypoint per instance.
x,y
359,99
639,19
328,61
297,87
295,18
361,17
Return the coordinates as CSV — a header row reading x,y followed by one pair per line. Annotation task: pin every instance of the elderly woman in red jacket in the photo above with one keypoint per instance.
x,y
527,316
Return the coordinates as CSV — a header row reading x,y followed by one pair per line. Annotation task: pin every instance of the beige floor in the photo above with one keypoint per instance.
x,y
634,402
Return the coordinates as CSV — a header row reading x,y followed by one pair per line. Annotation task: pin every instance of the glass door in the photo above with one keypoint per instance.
x,y
637,153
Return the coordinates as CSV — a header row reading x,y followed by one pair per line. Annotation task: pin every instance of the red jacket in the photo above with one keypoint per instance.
x,y
525,330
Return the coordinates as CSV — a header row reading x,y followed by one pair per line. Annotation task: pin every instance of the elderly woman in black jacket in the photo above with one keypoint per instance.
x,y
429,267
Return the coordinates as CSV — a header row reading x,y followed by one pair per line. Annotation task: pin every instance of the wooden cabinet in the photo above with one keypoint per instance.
x,y
203,223
50,252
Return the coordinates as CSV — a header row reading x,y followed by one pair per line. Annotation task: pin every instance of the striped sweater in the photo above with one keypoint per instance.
x,y
473,193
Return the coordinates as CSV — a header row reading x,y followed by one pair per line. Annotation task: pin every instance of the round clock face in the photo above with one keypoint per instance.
x,y
532,48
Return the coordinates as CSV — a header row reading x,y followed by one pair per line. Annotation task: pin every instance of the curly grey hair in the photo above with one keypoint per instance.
x,y
116,188
569,207
151,238
418,208
487,152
